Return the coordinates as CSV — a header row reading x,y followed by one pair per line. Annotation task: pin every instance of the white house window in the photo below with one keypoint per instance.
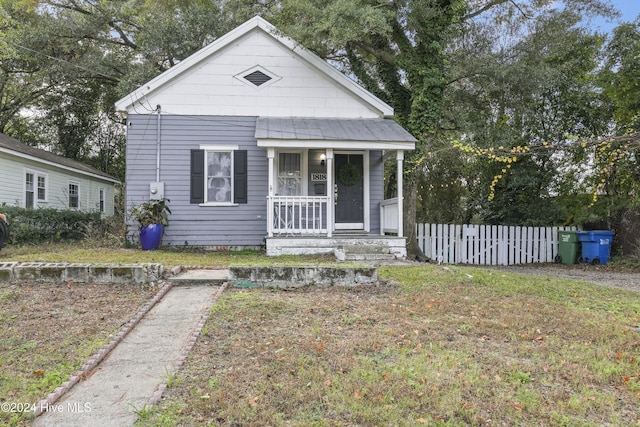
x,y
42,188
101,200
219,176
289,174
35,188
74,195
28,190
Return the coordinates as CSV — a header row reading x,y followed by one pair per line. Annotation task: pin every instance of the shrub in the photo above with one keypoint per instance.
x,y
31,226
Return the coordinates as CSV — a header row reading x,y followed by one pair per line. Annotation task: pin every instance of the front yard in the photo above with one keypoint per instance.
x,y
433,346
428,345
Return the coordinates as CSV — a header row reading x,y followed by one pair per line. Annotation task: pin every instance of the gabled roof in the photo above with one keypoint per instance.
x,y
13,146
127,102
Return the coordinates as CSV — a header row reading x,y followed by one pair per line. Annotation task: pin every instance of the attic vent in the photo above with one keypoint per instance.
x,y
257,78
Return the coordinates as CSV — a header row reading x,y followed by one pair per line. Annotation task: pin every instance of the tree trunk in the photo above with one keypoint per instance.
x,y
410,190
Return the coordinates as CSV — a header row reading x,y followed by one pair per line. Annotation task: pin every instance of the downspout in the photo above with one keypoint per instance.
x,y
159,110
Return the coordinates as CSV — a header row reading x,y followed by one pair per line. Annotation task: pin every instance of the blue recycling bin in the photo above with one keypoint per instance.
x,y
596,246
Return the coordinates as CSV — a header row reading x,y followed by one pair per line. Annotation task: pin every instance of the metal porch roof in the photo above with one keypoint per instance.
x,y
331,129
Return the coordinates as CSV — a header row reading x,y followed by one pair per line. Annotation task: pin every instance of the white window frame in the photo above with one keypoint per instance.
x,y
36,194
101,200
77,184
218,149
304,183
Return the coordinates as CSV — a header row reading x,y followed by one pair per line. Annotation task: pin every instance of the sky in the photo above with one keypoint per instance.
x,y
629,9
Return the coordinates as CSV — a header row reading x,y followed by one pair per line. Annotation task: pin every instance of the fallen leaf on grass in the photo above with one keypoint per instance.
x,y
517,405
38,372
253,401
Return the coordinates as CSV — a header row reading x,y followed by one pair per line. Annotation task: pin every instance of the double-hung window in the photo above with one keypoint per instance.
x,y
101,200
74,195
35,188
218,175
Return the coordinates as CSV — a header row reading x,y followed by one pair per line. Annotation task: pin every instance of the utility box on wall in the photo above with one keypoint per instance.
x,y
156,190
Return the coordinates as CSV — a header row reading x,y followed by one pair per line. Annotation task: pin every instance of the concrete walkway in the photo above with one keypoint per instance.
x,y
129,377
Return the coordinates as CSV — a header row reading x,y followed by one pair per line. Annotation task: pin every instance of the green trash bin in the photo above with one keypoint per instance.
x,y
568,247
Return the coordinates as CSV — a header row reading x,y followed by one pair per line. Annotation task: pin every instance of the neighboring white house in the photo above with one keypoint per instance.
x,y
255,139
35,178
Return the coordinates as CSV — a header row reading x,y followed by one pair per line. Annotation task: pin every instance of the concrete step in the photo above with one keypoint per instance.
x,y
365,249
364,253
200,277
369,257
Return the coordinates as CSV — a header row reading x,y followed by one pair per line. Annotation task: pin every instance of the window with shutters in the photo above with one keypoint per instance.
x,y
218,176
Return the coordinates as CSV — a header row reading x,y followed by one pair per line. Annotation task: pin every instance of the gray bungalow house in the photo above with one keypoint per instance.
x,y
257,141
35,178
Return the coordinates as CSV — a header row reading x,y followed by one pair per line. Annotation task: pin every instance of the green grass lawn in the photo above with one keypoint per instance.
x,y
429,345
432,346
169,257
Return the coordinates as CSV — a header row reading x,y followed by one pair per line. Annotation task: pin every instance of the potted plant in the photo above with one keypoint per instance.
x,y
152,216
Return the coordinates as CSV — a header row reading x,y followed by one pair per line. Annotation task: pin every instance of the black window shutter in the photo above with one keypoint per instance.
x,y
240,176
197,176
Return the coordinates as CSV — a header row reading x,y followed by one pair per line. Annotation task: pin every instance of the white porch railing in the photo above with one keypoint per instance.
x,y
389,216
297,215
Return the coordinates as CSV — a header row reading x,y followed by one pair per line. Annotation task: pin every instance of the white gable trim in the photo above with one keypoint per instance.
x,y
127,102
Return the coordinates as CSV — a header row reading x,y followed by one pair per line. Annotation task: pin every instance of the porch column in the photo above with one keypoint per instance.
x,y
330,192
270,155
399,174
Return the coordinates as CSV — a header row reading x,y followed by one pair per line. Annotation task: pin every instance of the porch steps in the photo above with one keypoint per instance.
x,y
363,253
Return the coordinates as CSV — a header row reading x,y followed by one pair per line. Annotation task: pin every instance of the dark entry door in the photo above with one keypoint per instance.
x,y
349,213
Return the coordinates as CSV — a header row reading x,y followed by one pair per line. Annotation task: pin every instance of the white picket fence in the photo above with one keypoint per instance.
x,y
488,244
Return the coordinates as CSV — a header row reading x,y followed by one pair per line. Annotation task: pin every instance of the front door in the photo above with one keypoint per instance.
x,y
349,195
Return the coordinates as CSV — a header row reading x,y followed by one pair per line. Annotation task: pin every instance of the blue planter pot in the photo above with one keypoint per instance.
x,y
151,236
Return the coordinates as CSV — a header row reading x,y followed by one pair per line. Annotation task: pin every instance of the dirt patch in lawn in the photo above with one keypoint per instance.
x,y
432,346
47,331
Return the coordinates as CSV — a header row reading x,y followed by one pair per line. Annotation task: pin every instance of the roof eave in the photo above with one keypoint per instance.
x,y
58,165
336,144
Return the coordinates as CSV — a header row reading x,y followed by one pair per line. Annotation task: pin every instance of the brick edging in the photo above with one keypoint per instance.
x,y
99,356
157,395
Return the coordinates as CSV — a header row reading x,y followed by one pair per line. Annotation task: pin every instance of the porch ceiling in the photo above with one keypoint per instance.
x,y
383,134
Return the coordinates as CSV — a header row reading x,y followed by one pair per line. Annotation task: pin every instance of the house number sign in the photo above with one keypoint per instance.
x,y
318,177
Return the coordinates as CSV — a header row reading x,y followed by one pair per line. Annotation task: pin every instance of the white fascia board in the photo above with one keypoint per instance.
x,y
337,145
125,103
58,165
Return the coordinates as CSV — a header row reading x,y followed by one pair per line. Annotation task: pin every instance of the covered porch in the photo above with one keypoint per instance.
x,y
326,184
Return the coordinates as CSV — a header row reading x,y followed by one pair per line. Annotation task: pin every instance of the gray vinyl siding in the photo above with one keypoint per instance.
x,y
376,189
191,224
